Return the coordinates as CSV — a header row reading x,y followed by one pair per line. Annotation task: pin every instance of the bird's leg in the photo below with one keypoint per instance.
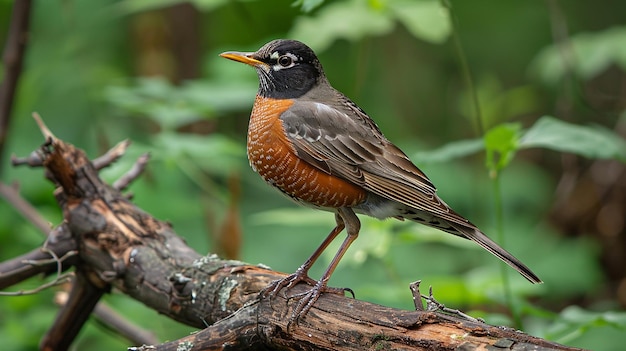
x,y
353,225
302,273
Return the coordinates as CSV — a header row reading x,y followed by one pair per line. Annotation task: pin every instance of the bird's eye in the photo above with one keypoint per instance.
x,y
285,61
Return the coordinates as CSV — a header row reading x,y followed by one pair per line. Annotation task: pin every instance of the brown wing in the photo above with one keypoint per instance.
x,y
344,142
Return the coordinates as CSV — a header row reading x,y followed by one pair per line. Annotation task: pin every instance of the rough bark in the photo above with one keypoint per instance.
x,y
112,243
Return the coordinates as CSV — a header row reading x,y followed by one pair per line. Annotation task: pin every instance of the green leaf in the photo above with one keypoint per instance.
x,y
351,20
308,5
501,143
574,322
588,141
214,154
171,107
127,7
450,151
426,19
586,54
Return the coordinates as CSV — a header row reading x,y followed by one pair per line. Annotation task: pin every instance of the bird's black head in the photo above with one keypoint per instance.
x,y
286,68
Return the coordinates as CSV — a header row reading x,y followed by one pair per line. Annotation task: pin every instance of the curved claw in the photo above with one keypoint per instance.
x,y
307,300
344,290
287,283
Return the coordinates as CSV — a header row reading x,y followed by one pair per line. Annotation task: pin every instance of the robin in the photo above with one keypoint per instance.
x,y
318,147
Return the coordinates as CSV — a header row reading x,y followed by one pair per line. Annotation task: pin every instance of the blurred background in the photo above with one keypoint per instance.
x,y
436,76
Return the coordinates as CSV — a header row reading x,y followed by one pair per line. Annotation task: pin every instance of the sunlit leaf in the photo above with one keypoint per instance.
x,y
501,143
308,5
450,151
589,141
425,19
351,20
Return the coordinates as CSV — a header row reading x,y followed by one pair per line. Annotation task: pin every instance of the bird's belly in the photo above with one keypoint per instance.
x,y
274,159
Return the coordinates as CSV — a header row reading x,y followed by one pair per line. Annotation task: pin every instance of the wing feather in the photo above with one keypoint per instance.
x,y
341,145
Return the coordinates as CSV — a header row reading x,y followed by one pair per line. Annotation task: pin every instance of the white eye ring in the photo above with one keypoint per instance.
x,y
285,61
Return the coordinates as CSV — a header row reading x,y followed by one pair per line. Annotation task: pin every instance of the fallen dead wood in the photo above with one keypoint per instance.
x,y
110,243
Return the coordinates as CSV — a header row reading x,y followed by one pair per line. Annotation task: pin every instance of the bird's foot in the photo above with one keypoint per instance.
x,y
287,283
308,298
291,280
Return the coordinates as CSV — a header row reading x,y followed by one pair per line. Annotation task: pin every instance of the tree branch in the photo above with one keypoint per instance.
x,y
121,246
12,196
13,58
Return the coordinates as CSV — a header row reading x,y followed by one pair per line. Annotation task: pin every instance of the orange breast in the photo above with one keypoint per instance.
x,y
272,156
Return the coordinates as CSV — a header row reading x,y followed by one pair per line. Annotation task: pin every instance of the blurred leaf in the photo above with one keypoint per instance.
x,y
504,140
587,54
497,103
374,241
574,322
425,19
127,7
293,216
450,151
593,142
172,106
351,20
308,5
501,143
220,97
156,99
215,153
355,19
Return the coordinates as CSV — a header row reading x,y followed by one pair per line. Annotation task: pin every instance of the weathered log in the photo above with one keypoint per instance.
x,y
121,246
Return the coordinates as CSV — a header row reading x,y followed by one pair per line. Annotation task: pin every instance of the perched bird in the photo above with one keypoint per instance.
x,y
318,147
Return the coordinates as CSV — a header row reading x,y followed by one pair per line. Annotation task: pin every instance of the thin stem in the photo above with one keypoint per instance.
x,y
504,273
497,193
465,71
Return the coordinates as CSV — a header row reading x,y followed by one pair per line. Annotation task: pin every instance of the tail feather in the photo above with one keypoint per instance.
x,y
467,230
453,223
483,240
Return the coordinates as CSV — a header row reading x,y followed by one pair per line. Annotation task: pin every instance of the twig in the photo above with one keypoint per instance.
x,y
13,58
417,296
112,155
133,173
59,241
433,305
71,318
12,196
60,279
35,159
112,320
47,133
51,260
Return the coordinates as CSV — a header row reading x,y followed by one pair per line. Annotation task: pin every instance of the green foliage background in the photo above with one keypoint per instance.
x,y
101,71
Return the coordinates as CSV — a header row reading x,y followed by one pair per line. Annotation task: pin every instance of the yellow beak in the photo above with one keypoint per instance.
x,y
245,57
